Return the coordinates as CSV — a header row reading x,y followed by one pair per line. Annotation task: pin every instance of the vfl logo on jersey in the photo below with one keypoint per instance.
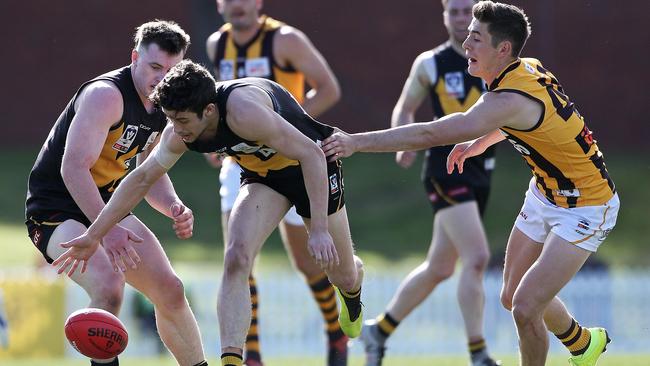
x,y
258,67
529,68
248,149
150,140
124,143
226,70
334,184
454,84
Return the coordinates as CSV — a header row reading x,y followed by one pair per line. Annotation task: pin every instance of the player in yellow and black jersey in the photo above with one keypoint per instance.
x,y
278,144
251,44
458,200
109,123
571,204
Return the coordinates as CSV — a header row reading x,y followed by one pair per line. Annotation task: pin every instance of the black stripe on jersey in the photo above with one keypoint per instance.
x,y
522,93
599,162
495,82
267,49
563,182
220,52
580,139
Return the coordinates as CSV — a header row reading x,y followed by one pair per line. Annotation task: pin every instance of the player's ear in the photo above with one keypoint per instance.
x,y
209,110
505,48
134,56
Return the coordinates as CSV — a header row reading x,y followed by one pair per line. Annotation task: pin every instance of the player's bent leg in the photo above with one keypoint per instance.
x,y
412,291
257,212
347,276
294,237
557,264
417,286
104,286
521,253
471,245
155,278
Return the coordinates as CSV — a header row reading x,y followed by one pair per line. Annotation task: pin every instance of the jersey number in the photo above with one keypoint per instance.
x,y
561,102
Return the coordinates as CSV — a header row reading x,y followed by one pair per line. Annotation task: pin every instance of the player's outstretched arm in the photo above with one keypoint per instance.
x,y
490,112
129,193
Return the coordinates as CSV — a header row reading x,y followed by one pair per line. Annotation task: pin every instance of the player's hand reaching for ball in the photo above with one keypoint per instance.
x,y
116,243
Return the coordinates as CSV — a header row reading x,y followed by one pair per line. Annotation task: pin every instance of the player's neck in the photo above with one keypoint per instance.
x,y
243,36
498,69
457,46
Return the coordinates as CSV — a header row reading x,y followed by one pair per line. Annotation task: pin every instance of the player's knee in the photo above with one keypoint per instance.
x,y
506,298
110,295
478,261
238,260
173,294
523,311
358,263
438,273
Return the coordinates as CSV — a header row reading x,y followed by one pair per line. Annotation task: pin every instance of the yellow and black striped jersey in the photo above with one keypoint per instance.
x,y
253,156
560,149
255,59
136,130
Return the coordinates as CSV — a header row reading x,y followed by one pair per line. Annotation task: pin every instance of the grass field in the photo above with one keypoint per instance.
x,y
607,360
388,212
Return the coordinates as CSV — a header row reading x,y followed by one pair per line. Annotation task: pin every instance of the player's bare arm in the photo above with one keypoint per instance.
x,y
251,116
293,48
98,107
413,93
129,193
163,198
211,48
490,112
467,149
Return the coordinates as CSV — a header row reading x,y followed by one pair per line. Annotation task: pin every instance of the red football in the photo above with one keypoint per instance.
x,y
96,333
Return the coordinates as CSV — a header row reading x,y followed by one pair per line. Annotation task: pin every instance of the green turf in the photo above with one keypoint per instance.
x,y
388,211
607,360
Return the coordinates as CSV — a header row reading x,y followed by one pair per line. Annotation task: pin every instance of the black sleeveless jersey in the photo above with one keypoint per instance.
x,y
253,156
136,130
455,90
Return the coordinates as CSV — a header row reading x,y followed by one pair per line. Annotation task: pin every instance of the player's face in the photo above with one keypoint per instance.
x,y
150,64
457,17
481,55
188,125
242,14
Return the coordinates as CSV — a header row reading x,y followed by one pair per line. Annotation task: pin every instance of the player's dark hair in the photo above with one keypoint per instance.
x,y
168,35
505,23
188,86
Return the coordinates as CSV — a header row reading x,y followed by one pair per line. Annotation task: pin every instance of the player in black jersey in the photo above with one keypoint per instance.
x,y
458,200
277,144
108,124
251,44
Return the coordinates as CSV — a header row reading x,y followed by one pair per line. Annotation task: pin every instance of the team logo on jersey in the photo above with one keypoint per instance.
x,y
244,148
529,68
258,67
36,236
568,192
334,184
226,70
126,140
454,84
150,140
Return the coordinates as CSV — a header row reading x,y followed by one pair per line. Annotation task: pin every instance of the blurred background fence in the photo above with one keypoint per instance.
x,y
290,325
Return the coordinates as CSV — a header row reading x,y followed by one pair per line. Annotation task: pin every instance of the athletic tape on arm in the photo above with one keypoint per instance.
x,y
165,157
